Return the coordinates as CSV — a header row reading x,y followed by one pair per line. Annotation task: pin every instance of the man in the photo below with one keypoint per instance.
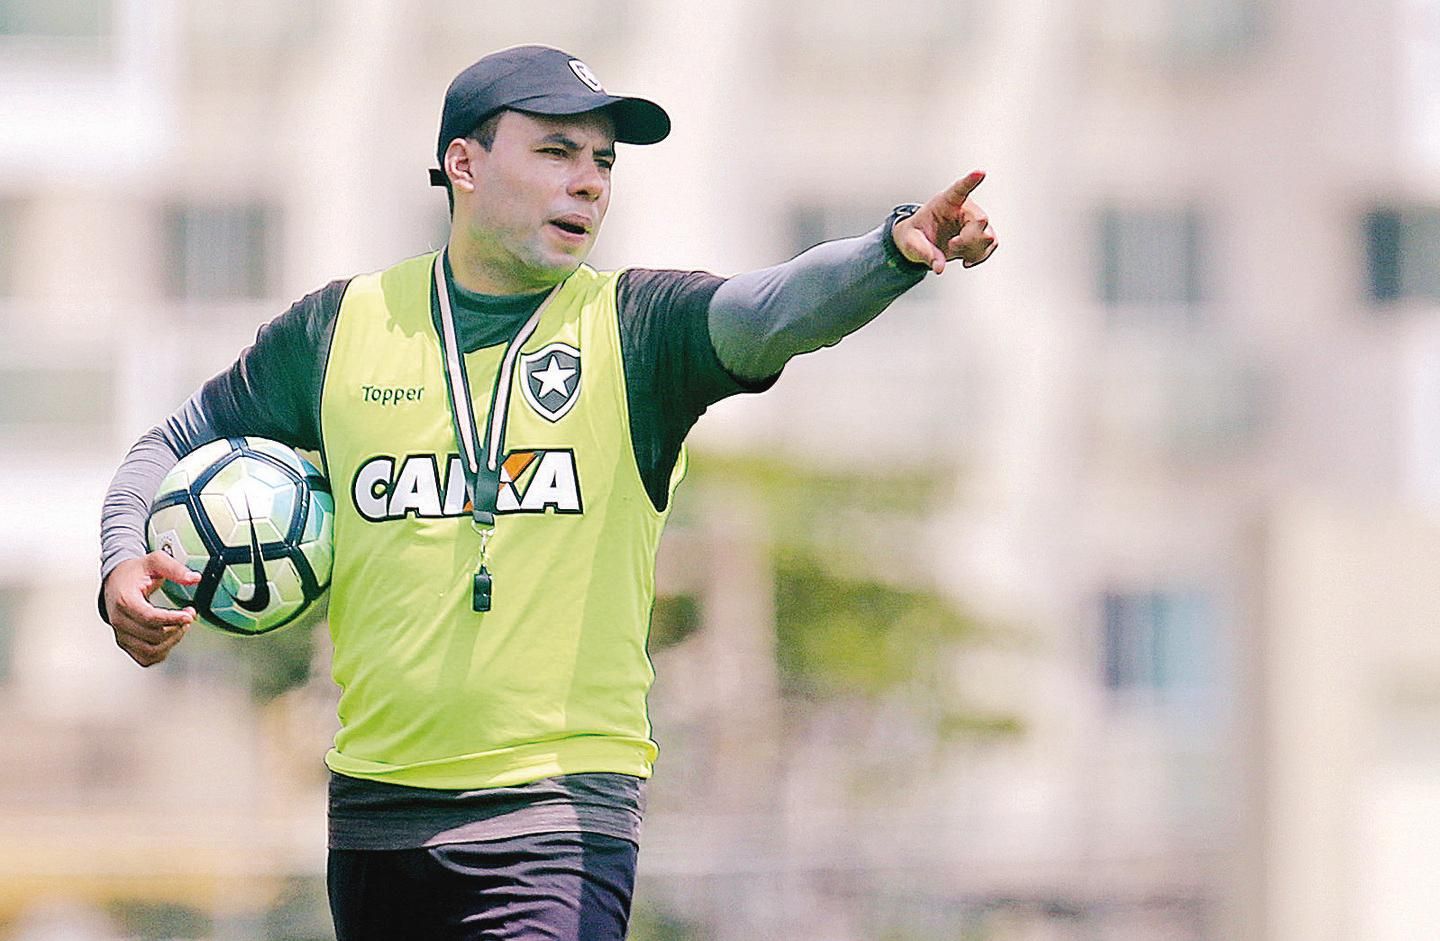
x,y
488,776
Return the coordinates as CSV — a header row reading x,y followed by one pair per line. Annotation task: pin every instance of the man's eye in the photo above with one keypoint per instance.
x,y
554,151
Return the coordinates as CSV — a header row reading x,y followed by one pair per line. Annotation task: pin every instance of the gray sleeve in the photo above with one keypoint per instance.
x,y
127,502
272,390
760,319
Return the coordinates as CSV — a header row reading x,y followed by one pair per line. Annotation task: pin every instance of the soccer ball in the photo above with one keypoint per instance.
x,y
256,520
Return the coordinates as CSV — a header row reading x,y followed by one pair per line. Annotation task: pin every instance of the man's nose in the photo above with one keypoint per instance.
x,y
588,182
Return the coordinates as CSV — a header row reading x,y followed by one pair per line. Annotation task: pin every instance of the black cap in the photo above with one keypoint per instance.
x,y
539,80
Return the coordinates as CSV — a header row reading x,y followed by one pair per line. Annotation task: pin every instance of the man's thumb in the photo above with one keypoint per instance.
x,y
168,567
916,247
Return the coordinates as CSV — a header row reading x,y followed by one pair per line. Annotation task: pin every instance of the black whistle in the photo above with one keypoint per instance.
x,y
481,598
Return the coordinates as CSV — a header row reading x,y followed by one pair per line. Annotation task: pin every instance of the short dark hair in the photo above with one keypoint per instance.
x,y
484,135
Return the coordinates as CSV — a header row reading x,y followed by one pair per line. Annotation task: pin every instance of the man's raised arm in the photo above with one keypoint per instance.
x,y
760,319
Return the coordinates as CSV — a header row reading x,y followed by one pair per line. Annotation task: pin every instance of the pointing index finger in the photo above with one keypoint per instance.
x,y
962,188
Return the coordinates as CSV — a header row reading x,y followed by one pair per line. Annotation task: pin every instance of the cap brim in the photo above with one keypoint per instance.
x,y
637,120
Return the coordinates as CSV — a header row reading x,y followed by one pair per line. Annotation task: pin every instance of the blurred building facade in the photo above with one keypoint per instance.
x,y
1189,409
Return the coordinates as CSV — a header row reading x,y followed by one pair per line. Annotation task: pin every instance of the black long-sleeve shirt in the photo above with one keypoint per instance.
x,y
687,340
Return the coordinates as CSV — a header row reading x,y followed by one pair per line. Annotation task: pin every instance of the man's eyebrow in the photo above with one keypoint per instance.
x,y
569,143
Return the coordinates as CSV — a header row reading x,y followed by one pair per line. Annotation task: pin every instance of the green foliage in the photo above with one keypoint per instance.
x,y
841,630
267,664
674,618
300,913
839,635
648,923
279,662
146,920
790,490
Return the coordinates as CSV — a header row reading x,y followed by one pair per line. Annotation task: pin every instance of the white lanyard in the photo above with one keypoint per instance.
x,y
481,464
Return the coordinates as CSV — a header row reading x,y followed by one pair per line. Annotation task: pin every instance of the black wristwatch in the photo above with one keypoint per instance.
x,y
893,257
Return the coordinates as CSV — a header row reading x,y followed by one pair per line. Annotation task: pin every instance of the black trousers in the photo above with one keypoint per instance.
x,y
545,887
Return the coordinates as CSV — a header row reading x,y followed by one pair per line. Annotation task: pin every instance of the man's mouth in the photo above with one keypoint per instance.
x,y
572,224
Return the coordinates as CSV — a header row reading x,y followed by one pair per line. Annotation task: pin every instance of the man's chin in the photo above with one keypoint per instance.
x,y
558,267
547,265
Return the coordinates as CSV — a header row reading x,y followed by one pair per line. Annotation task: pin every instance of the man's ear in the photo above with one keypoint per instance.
x,y
457,164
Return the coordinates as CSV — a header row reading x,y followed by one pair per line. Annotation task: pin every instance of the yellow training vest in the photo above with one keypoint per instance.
x,y
553,679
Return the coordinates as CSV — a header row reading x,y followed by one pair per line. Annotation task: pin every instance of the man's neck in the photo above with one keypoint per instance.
x,y
474,270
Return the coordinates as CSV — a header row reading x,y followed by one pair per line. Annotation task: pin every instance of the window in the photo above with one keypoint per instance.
x,y
1403,253
1213,29
822,42
1159,642
9,238
1181,32
255,26
220,253
56,19
1152,258
9,617
813,223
